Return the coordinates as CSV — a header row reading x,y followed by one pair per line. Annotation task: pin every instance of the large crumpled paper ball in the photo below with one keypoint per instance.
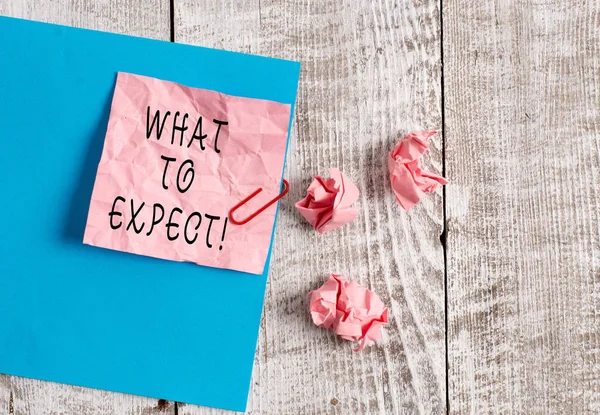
x,y
352,311
328,202
409,181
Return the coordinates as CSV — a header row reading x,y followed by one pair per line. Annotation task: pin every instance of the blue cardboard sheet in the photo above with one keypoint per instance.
x,y
81,315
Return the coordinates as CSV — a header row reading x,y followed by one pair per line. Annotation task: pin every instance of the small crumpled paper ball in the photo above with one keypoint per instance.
x,y
409,181
328,202
352,311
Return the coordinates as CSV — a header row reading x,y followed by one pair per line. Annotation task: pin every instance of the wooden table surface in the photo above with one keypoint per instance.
x,y
499,313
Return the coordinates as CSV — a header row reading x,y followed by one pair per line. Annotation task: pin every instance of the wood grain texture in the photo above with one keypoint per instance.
x,y
522,90
370,72
148,18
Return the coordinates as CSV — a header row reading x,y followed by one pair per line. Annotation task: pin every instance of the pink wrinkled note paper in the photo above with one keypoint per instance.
x,y
409,181
352,311
328,202
175,161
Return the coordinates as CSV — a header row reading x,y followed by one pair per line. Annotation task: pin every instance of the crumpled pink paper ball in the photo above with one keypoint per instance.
x,y
409,181
328,202
352,311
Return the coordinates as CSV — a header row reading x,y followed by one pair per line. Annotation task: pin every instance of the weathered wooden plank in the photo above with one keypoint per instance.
x,y
32,397
522,90
371,71
148,18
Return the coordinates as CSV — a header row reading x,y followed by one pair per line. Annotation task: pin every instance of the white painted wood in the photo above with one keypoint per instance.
x,y
522,88
371,72
148,18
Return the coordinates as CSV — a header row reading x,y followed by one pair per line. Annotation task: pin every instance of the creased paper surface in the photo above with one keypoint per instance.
x,y
175,160
328,202
352,311
409,181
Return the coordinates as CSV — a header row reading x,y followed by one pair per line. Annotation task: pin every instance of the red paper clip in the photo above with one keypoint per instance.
x,y
255,214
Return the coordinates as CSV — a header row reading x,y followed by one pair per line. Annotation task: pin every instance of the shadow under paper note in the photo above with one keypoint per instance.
x,y
79,204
